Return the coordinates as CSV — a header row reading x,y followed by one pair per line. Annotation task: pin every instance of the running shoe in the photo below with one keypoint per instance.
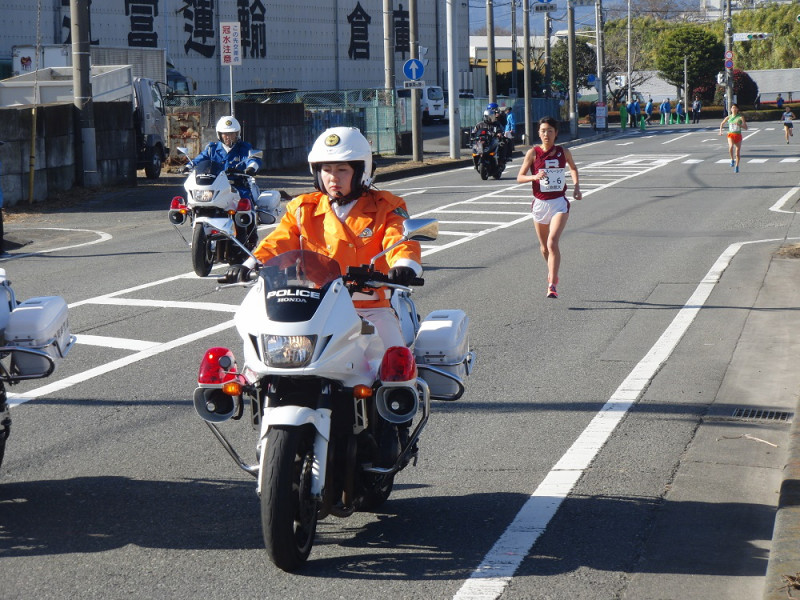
x,y
733,162
736,169
551,291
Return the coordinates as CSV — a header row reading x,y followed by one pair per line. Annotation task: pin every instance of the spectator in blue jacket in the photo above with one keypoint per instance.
x,y
510,132
229,151
648,111
666,110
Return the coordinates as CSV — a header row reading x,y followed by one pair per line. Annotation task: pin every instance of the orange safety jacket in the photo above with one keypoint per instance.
x,y
373,224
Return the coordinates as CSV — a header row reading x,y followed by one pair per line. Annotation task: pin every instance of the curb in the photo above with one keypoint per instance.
x,y
783,568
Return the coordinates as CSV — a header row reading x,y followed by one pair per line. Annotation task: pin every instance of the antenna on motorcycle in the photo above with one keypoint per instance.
x,y
418,230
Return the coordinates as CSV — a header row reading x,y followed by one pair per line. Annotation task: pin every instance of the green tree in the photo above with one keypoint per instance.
x,y
701,49
585,63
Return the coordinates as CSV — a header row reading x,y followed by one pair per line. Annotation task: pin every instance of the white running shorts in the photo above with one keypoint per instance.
x,y
544,210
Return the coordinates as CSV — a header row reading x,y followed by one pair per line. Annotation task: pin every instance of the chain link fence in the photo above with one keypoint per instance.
x,y
372,110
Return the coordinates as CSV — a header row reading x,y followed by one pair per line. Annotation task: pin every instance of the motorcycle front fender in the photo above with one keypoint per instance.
x,y
223,224
297,416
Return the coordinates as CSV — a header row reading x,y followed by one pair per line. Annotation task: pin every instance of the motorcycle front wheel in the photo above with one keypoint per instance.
x,y
484,172
202,259
288,512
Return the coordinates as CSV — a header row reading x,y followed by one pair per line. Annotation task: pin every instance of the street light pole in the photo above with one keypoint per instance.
x,y
728,46
490,70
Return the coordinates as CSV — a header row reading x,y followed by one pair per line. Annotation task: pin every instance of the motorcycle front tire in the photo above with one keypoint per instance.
x,y
288,512
202,260
484,172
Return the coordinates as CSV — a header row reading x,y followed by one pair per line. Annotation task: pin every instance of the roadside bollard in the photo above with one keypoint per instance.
x,y
663,120
642,124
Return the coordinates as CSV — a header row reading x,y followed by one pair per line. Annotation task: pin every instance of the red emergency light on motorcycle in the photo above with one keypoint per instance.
x,y
218,397
178,210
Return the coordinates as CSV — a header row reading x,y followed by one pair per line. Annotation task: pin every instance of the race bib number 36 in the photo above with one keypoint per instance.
x,y
553,180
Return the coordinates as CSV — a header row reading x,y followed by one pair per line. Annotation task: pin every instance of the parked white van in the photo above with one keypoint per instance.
x,y
431,102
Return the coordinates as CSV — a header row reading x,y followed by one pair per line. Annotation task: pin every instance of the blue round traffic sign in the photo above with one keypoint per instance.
x,y
413,69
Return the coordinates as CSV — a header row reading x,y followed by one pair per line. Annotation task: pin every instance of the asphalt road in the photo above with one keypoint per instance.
x,y
562,472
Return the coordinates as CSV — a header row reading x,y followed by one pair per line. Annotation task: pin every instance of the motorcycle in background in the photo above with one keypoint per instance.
x,y
224,224
488,154
35,337
338,415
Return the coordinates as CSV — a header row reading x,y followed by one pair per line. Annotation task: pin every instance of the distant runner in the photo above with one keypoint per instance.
x,y
787,117
736,124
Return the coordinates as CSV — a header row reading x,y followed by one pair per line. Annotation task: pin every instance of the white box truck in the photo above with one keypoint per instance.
x,y
109,84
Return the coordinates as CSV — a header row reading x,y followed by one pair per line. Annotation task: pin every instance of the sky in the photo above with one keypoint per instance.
x,y
584,16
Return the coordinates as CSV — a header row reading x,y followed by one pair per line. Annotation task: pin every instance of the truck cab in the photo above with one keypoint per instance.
x,y
150,121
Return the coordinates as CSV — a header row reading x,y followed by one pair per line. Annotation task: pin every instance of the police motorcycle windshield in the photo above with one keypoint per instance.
x,y
206,171
295,283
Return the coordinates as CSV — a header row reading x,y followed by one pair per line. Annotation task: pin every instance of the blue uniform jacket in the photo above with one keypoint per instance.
x,y
215,151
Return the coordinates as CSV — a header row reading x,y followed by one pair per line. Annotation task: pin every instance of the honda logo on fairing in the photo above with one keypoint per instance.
x,y
295,293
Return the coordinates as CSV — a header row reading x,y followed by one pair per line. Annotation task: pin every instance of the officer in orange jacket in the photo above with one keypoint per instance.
x,y
348,221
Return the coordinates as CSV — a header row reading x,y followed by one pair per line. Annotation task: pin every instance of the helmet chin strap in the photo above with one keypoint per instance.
x,y
343,200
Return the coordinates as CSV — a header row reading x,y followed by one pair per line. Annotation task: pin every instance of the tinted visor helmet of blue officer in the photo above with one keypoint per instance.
x,y
343,145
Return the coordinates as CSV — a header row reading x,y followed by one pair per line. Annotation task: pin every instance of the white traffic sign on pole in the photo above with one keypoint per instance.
x,y
230,40
544,7
728,55
414,84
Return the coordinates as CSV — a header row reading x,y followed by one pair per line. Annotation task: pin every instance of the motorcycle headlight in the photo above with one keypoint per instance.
x,y
288,351
203,196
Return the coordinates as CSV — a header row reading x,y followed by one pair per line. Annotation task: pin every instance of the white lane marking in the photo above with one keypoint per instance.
x,y
114,342
498,567
212,306
101,237
135,288
758,160
791,160
693,161
778,206
57,386
675,139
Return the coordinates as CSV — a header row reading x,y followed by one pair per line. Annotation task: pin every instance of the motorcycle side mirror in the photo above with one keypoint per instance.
x,y
255,154
419,230
183,150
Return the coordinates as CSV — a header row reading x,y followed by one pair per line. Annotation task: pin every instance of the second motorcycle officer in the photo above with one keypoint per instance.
x,y
346,220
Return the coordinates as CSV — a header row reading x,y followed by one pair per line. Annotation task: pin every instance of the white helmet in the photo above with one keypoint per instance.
x,y
228,124
343,144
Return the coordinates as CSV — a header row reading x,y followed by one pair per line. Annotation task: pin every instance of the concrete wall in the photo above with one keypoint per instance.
x,y
279,130
56,166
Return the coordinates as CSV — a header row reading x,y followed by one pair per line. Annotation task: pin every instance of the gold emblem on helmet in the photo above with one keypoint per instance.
x,y
228,122
332,140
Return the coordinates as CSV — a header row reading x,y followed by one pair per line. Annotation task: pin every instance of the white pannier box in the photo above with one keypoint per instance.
x,y
40,324
443,343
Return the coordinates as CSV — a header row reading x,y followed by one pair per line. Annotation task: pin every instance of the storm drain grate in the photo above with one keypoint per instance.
x,y
762,415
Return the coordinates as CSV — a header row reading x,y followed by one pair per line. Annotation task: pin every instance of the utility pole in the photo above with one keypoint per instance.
x,y
526,30
388,48
630,90
454,117
601,77
490,64
413,40
729,99
572,89
82,95
514,44
548,73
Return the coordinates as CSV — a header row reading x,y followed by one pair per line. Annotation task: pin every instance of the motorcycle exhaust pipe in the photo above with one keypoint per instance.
x,y
214,406
397,403
176,217
243,219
